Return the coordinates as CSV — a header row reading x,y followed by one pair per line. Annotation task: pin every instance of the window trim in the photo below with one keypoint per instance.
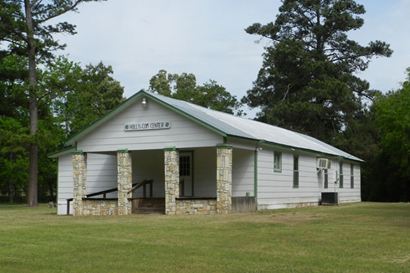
x,y
325,179
277,170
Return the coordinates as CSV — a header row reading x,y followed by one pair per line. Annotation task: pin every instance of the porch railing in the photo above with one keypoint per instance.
x,y
135,186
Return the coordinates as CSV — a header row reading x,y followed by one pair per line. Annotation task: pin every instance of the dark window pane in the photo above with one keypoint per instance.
x,y
277,161
351,176
295,171
184,165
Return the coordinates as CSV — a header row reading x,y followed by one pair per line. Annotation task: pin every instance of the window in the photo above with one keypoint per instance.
x,y
326,179
340,174
296,171
277,161
184,165
351,176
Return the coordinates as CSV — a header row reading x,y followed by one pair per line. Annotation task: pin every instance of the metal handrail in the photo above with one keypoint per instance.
x,y
104,193
143,183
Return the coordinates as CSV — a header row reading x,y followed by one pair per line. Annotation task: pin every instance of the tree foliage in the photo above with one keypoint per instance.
x,y
307,81
82,95
392,169
184,87
13,157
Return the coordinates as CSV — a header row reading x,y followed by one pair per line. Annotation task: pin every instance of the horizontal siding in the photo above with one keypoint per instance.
x,y
101,175
346,194
242,172
64,183
183,133
275,189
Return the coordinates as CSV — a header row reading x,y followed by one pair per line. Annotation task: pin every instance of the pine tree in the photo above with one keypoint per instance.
x,y
307,81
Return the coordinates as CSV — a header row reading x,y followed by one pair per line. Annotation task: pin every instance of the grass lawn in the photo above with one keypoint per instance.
x,y
367,237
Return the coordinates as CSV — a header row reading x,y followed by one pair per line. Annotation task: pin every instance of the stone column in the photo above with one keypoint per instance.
x,y
223,179
124,180
171,165
79,178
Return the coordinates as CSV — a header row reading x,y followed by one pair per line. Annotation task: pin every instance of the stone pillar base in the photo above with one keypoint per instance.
x,y
171,165
223,179
79,179
124,180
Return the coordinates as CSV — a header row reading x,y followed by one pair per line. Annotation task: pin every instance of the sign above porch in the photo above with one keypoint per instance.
x,y
147,125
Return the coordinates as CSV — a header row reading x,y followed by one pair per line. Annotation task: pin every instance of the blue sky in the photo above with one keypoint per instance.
x,y
207,38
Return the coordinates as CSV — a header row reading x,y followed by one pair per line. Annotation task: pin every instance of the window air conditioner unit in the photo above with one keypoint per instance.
x,y
323,163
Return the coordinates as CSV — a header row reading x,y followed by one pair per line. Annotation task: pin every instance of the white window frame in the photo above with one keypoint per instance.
x,y
277,169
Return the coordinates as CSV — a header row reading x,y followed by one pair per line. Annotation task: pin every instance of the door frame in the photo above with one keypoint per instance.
x,y
191,152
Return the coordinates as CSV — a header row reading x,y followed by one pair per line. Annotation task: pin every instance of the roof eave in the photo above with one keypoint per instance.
x,y
65,151
294,148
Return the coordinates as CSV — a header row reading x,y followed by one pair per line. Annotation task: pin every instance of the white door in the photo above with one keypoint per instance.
x,y
186,182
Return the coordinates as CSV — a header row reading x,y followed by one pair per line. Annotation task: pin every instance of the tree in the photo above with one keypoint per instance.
x,y
307,81
82,95
13,157
184,87
392,115
27,28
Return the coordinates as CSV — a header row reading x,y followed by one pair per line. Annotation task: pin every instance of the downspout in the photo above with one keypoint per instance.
x,y
255,173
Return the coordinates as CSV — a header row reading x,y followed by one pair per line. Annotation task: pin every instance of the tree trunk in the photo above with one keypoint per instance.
x,y
32,198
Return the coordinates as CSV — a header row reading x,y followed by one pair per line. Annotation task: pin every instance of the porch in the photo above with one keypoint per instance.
x,y
183,181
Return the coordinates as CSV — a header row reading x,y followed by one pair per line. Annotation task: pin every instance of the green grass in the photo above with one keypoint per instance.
x,y
367,237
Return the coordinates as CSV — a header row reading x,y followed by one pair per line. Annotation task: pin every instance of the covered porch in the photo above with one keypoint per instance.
x,y
171,181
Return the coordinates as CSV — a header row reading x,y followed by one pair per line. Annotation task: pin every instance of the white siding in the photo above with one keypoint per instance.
x,y
242,172
183,133
64,183
101,175
275,190
347,194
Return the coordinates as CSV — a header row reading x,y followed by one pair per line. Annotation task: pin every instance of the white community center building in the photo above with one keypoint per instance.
x,y
158,154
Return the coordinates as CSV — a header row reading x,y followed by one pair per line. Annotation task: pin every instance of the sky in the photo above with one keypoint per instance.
x,y
207,38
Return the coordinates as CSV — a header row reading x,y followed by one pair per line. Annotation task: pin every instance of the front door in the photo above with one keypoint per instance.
x,y
186,182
